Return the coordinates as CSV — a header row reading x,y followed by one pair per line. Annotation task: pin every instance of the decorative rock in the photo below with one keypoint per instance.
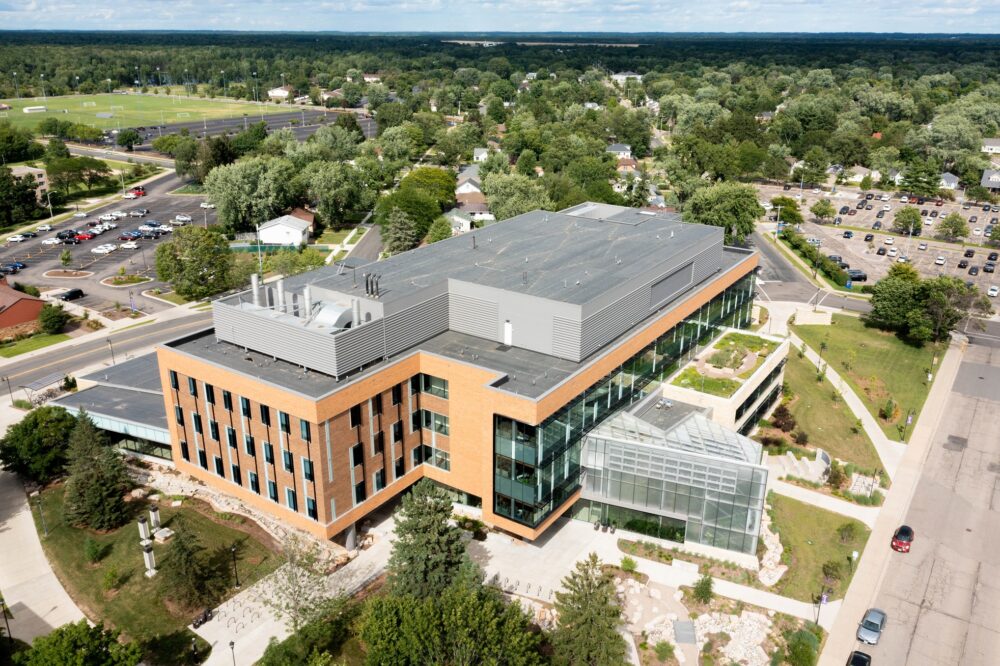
x,y
139,493
654,594
163,534
153,498
175,503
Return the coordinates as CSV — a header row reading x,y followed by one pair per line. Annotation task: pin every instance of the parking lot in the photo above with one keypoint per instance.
x,y
921,251
40,257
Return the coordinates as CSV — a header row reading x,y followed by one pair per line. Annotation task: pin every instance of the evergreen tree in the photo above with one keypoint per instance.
x,y
439,231
399,232
98,481
428,552
185,572
589,616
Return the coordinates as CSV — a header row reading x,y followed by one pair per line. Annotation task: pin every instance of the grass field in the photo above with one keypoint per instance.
x,y
810,538
137,606
31,344
877,365
828,423
690,378
135,111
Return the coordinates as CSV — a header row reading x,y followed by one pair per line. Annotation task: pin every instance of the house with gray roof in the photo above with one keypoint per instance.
x,y
949,181
285,230
991,179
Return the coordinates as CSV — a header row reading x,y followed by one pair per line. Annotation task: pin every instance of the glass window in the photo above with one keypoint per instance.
x,y
287,461
400,467
311,507
237,478
359,492
284,422
213,429
202,459
268,453
272,490
254,482
397,431
291,500
377,404
218,466
379,480
355,416
184,451
231,437
179,415
307,469
265,415
397,394
192,387
210,394
379,443
505,467
249,446
305,431
245,407
227,400
173,380
357,455
196,419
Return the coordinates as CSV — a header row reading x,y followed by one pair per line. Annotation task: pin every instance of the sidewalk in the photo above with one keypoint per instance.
x,y
876,558
890,452
36,599
866,514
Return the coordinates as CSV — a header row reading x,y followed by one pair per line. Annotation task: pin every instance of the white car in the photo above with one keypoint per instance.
x,y
129,245
893,252
205,204
46,227
993,291
763,204
52,241
107,217
129,195
80,214
904,200
138,212
177,223
903,259
939,261
816,190
118,215
884,197
16,238
928,221
922,246
109,225
977,232
180,217
887,208
889,241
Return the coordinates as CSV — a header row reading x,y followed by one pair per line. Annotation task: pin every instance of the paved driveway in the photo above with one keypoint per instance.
x,y
943,598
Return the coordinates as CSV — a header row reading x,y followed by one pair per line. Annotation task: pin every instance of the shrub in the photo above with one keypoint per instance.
x,y
782,419
69,383
664,650
801,437
628,564
802,649
112,580
772,440
21,403
847,532
92,550
888,411
835,477
833,570
703,589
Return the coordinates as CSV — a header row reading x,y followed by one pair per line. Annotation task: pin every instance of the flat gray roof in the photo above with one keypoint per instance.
x,y
572,256
529,373
140,407
141,373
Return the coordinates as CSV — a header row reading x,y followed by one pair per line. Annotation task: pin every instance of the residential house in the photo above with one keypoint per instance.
x,y
949,181
468,186
39,177
18,311
326,95
531,76
593,106
372,78
622,77
857,173
480,154
895,177
467,172
306,215
285,230
461,222
991,146
282,93
302,99
627,166
622,151
474,205
991,179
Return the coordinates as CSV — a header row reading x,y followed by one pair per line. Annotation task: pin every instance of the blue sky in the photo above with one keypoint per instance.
x,y
950,16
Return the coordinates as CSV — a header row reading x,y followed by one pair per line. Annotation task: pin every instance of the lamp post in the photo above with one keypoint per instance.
x,y
41,516
225,89
111,347
236,573
77,83
194,650
260,259
109,85
10,638
10,392
42,77
158,79
17,90
232,649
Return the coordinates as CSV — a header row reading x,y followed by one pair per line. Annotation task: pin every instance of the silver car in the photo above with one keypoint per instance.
x,y
871,626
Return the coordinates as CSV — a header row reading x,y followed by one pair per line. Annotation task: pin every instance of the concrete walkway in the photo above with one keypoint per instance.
x,y
876,558
36,599
889,452
866,514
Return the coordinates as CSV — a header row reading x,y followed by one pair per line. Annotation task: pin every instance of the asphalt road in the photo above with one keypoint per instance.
x,y
943,597
70,359
370,245
41,258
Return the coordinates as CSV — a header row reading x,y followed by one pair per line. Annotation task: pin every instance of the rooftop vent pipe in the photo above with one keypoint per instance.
x,y
280,287
255,288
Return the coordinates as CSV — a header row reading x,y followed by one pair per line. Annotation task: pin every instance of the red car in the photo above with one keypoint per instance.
x,y
903,539
84,236
139,193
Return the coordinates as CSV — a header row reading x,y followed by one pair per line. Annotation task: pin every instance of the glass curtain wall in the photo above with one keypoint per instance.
x,y
538,467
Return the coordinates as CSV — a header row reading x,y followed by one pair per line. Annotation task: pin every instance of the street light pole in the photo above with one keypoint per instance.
x,y
17,90
225,89
232,649
236,573
10,391
42,77
260,259
10,637
111,347
41,516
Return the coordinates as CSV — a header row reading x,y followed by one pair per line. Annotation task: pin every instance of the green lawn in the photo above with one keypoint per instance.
x,y
827,423
819,275
131,110
692,379
190,188
809,537
877,365
31,344
173,298
137,608
332,236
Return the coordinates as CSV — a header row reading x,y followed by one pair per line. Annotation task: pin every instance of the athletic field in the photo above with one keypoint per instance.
x,y
115,111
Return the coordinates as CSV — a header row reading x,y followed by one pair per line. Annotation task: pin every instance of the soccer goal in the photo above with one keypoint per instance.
x,y
87,105
183,114
117,108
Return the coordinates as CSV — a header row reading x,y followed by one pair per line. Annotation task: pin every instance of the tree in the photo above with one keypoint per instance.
x,y
823,210
866,182
93,172
79,644
922,178
35,447
186,573
299,593
732,206
127,138
906,220
53,318
64,173
440,230
782,419
953,226
16,143
252,191
527,162
702,590
589,616
18,202
438,183
428,552
420,206
337,190
56,149
512,194
196,261
496,162
98,480
65,258
788,210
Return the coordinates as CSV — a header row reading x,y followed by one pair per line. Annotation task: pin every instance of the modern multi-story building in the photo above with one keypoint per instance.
x,y
480,362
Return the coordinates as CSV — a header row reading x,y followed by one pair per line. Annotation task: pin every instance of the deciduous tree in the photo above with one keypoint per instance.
x,y
196,261
512,194
823,210
732,206
35,446
79,644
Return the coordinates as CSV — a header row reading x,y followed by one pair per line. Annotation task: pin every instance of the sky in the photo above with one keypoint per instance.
x,y
920,16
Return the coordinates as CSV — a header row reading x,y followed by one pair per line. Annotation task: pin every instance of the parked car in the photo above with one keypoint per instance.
x,y
881,251
835,258
973,219
871,626
902,539
71,240
52,241
187,218
852,212
922,246
934,213
46,227
889,241
977,232
16,238
71,295
29,234
989,267
993,256
138,212
848,234
879,215
877,226
939,261
857,275
205,204
844,209
118,215
893,252
969,254
129,245
869,196
79,214
963,263
130,195
923,212
993,291
974,271
869,238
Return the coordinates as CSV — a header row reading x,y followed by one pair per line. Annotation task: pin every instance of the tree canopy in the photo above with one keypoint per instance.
x,y
732,206
196,261
35,446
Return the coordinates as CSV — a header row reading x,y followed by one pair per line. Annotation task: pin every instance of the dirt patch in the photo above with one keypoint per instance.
x,y
123,313
872,386
110,282
64,274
